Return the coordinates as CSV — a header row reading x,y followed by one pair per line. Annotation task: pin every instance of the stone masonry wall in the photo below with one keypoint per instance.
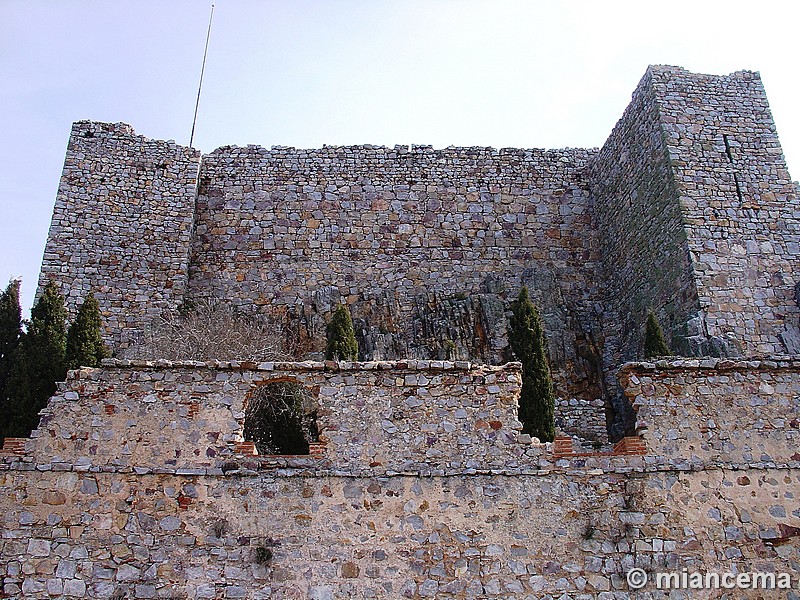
x,y
739,206
100,527
122,224
426,246
378,417
644,247
103,535
687,209
584,420
718,412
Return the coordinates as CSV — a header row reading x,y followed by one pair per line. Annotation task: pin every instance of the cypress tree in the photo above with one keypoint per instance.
x,y
342,344
654,342
85,347
39,362
537,400
10,333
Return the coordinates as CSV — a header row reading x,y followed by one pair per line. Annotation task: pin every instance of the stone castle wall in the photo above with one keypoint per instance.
x,y
718,413
375,417
697,212
122,225
739,206
126,522
424,245
645,254
686,210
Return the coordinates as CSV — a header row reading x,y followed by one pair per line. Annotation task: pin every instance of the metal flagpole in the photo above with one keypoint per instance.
x,y
202,71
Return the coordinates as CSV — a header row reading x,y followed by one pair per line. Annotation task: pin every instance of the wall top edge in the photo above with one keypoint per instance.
x,y
667,365
403,149
124,129
742,73
121,128
100,129
288,367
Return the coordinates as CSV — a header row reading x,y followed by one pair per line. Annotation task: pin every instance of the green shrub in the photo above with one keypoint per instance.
x,y
537,399
10,334
342,344
654,342
85,347
39,362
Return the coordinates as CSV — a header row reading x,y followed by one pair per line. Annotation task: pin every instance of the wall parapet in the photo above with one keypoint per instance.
x,y
398,416
676,364
718,412
301,366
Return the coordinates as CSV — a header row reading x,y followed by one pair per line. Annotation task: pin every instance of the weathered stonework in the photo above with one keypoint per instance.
x,y
687,210
424,245
139,483
383,417
104,501
122,224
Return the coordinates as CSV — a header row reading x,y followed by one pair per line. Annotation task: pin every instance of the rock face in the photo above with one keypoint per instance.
x,y
138,484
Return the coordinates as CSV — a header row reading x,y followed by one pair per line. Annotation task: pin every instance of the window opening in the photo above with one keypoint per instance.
x,y
280,418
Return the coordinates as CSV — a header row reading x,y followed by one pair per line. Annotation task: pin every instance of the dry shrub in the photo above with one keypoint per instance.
x,y
212,330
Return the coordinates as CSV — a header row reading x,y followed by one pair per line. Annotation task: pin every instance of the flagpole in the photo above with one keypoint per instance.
x,y
202,71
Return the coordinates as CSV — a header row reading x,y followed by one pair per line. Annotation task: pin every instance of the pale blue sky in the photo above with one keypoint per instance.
x,y
305,73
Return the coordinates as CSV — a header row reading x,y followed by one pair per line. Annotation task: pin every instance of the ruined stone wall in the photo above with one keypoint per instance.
x,y
739,206
375,417
425,246
122,224
540,525
687,209
718,412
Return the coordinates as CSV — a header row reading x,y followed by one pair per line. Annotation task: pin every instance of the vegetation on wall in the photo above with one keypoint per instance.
x,y
537,399
342,344
654,342
211,330
32,361
280,419
10,335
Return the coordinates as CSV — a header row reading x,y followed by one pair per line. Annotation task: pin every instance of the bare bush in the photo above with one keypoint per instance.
x,y
211,330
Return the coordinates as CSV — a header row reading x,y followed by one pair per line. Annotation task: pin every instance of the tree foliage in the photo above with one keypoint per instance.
x,y
342,344
537,399
654,342
10,333
39,362
85,347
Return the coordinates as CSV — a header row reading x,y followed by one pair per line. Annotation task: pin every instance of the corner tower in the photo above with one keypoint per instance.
x,y
697,217
122,225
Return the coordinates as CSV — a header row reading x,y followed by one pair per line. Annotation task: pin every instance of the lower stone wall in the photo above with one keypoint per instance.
x,y
583,420
523,520
568,533
378,417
